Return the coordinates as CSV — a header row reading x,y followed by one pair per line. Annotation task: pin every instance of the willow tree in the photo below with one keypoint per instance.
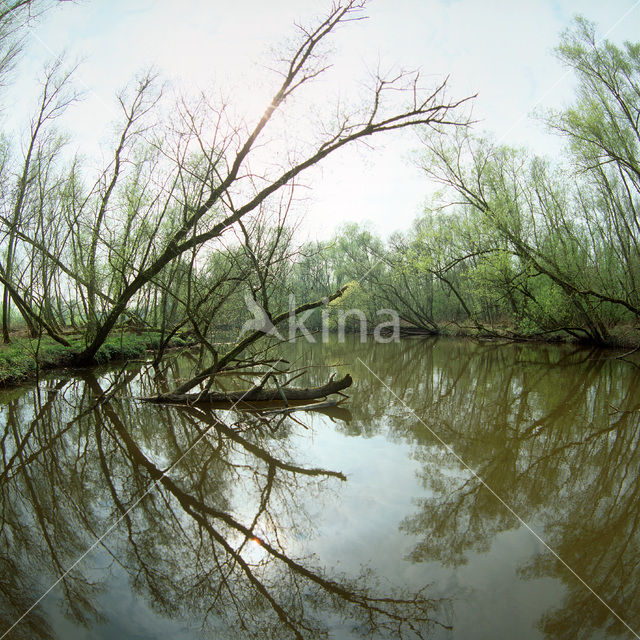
x,y
563,237
207,198
31,176
18,176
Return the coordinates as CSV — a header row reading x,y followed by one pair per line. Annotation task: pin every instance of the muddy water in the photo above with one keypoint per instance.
x,y
464,491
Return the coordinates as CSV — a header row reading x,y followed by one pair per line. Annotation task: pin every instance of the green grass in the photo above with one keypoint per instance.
x,y
23,357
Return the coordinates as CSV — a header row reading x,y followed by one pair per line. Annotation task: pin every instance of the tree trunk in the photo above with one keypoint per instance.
x,y
257,394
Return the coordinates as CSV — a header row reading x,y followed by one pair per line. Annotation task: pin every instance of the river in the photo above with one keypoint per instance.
x,y
465,490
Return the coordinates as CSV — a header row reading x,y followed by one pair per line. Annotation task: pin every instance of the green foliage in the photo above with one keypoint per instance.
x,y
539,246
124,347
349,311
15,364
20,359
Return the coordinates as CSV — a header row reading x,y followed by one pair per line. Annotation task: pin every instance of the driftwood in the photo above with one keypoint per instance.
x,y
256,394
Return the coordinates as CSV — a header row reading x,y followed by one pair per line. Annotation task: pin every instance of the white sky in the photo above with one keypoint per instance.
x,y
500,49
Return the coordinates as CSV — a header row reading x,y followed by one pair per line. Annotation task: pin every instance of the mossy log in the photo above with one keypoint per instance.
x,y
256,394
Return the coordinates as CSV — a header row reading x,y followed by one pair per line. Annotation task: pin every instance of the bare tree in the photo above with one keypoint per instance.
x,y
207,197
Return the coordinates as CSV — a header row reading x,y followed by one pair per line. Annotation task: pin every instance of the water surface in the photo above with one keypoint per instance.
x,y
392,515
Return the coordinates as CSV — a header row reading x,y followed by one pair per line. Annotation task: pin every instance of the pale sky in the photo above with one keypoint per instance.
x,y
502,50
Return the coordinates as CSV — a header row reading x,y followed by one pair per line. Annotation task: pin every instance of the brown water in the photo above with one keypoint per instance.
x,y
436,498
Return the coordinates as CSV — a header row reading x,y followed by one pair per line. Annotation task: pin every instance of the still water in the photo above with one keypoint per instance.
x,y
466,490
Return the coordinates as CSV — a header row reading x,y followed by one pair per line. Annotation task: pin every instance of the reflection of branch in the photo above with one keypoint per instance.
x,y
259,452
22,440
390,609
241,562
623,357
107,467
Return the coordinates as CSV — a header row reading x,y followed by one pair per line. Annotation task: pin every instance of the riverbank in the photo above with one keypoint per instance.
x,y
23,359
619,337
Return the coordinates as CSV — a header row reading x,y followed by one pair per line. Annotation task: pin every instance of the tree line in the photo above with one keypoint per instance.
x,y
184,222
518,245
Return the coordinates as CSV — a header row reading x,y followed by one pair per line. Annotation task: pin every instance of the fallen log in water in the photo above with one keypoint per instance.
x,y
256,394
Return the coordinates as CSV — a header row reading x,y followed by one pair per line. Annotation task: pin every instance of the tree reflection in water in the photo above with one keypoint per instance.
x,y
551,445
222,537
207,510
555,432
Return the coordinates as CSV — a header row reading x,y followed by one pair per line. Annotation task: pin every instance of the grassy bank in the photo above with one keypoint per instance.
x,y
24,358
